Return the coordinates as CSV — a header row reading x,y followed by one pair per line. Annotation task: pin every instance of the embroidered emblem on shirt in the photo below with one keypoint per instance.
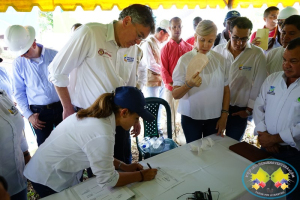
x,y
247,68
298,99
271,90
104,53
128,59
13,110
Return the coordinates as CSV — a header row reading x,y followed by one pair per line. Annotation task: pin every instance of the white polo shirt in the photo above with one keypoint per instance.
x,y
275,60
204,102
277,109
95,63
74,145
12,145
246,74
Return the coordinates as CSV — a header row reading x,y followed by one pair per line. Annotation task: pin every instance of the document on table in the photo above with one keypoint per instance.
x,y
92,191
163,182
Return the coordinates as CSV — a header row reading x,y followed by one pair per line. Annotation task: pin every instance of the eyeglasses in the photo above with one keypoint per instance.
x,y
235,38
139,36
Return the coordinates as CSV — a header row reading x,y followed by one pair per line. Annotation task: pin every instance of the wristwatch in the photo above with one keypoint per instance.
x,y
248,112
225,111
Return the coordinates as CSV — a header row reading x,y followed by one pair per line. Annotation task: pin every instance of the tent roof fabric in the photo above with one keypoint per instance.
x,y
70,5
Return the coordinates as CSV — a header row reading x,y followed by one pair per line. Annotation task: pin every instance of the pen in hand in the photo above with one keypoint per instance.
x,y
149,166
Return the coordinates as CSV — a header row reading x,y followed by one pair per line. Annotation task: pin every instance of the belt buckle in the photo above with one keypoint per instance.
x,y
49,106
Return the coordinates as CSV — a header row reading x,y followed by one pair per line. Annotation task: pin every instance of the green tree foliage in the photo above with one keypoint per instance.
x,y
45,20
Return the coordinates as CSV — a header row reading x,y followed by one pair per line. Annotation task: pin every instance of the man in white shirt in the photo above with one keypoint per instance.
x,y
99,58
151,58
290,30
277,111
246,75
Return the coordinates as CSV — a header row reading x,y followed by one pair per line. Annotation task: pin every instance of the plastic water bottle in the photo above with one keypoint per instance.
x,y
145,144
158,145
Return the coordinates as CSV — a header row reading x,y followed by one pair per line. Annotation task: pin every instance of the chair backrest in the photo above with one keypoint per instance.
x,y
150,128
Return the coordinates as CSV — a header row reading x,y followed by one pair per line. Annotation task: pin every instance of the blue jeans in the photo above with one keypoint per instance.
x,y
122,149
193,129
20,196
236,125
157,91
42,190
52,117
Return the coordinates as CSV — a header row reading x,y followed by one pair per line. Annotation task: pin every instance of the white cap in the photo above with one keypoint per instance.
x,y
19,38
164,24
287,12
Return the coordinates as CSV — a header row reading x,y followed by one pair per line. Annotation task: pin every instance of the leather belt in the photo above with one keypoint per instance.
x,y
49,106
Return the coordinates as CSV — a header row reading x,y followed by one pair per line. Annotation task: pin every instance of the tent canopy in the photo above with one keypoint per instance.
x,y
70,5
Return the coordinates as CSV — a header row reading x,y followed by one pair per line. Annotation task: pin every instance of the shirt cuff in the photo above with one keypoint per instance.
x,y
27,113
287,137
178,83
111,182
59,80
251,103
261,127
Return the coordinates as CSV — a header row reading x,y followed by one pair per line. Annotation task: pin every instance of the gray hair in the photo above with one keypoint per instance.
x,y
206,27
140,14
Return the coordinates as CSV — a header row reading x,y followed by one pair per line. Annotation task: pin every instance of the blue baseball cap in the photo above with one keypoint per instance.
x,y
231,14
132,99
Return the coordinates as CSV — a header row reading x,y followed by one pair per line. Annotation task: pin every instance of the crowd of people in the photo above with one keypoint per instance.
x,y
83,100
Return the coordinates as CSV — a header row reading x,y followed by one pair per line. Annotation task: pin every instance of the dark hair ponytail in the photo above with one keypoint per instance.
x,y
103,107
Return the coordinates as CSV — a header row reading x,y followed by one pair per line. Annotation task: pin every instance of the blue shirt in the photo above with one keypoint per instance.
x,y
5,82
31,85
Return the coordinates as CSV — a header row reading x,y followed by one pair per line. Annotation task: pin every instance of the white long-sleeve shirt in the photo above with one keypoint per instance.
x,y
74,145
204,102
91,63
246,74
12,145
275,60
277,109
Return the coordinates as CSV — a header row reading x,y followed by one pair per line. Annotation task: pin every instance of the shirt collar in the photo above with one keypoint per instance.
x,y
43,50
39,59
285,79
110,35
174,42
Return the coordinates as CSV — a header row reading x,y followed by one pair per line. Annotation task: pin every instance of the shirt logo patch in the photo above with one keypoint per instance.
x,y
13,110
104,53
128,59
247,68
298,99
271,90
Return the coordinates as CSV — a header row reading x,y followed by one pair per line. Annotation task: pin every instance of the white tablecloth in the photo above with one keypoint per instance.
x,y
217,168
